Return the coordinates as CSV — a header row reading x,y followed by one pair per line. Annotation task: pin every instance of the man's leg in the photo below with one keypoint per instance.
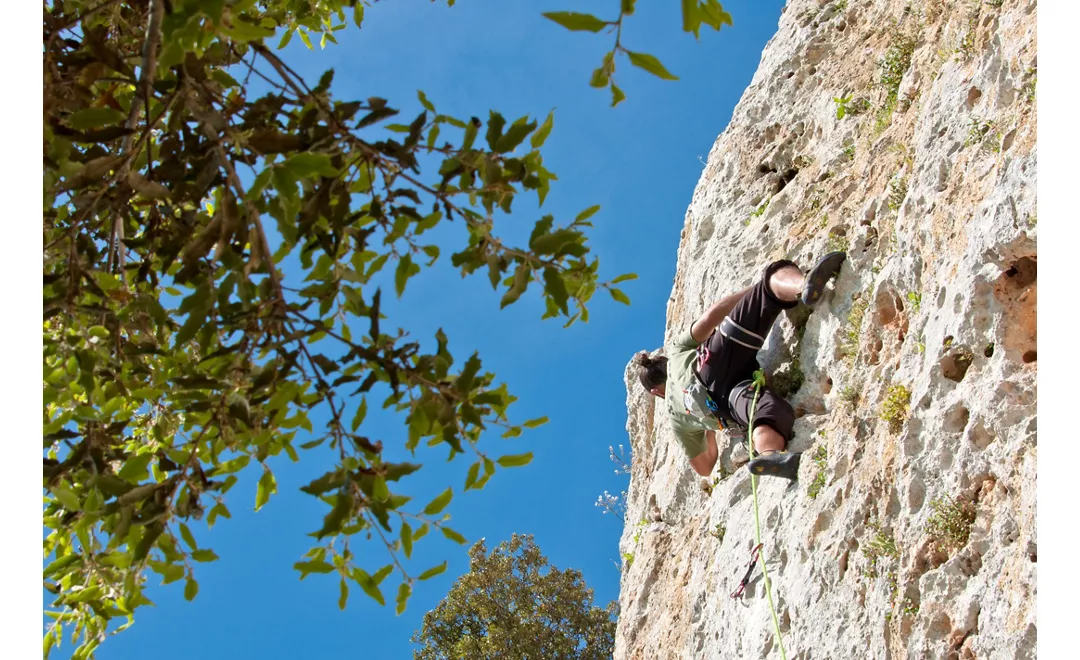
x,y
773,423
733,347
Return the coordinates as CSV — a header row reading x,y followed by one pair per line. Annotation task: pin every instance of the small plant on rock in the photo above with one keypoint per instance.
x,y
628,559
836,243
718,532
849,345
1029,88
984,134
759,211
914,299
821,458
950,523
849,151
850,395
896,61
894,409
879,548
897,192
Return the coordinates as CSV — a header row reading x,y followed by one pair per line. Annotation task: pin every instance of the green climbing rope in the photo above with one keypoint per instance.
x,y
759,381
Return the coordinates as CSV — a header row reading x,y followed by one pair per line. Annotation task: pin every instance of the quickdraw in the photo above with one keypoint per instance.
x,y
749,571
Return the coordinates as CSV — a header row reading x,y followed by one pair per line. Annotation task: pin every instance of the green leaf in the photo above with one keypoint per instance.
x,y
267,485
433,571
368,585
134,468
538,138
439,503
619,295
452,535
306,39
241,31
317,566
358,18
172,573
521,282
361,412
406,539
624,278
576,21
286,38
519,130
405,269
395,471
217,510
188,537
191,589
515,460
67,498
587,213
474,472
88,118
343,598
512,432
379,491
381,574
403,593
651,64
424,99
309,164
617,95
204,555
627,7
533,423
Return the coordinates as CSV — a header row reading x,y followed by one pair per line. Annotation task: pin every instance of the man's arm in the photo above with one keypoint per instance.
x,y
704,462
704,326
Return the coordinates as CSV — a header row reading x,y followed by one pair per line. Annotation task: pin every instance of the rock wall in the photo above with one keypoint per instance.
x,y
911,531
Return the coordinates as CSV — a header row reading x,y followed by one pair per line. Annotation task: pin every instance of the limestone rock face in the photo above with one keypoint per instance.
x,y
911,531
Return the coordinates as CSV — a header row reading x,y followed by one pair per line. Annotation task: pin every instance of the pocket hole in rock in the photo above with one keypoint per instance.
x,y
954,366
1030,356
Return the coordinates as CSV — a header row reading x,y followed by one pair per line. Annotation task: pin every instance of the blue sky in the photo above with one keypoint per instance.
x,y
640,162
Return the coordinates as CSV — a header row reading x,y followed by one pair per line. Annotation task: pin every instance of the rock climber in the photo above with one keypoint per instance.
x,y
706,378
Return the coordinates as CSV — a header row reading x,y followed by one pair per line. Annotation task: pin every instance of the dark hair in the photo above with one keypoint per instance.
x,y
652,371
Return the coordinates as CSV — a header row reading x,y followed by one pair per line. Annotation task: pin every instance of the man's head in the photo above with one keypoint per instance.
x,y
652,373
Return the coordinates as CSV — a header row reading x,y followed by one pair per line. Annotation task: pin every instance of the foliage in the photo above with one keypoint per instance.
x,y
896,61
821,461
845,106
759,211
914,299
879,547
850,395
695,13
949,524
894,409
985,134
718,532
513,604
217,237
849,339
898,189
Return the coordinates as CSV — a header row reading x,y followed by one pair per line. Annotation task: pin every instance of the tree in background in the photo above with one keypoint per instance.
x,y
213,272
513,605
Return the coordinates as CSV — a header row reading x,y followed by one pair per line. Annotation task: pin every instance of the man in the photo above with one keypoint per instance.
x,y
706,377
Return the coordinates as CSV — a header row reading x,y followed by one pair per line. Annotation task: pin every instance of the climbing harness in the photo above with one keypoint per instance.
x,y
749,571
759,380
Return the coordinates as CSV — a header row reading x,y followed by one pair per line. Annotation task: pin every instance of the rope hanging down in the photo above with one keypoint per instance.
x,y
759,381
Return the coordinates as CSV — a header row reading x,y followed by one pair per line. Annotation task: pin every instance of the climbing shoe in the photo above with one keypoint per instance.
x,y
776,464
825,269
